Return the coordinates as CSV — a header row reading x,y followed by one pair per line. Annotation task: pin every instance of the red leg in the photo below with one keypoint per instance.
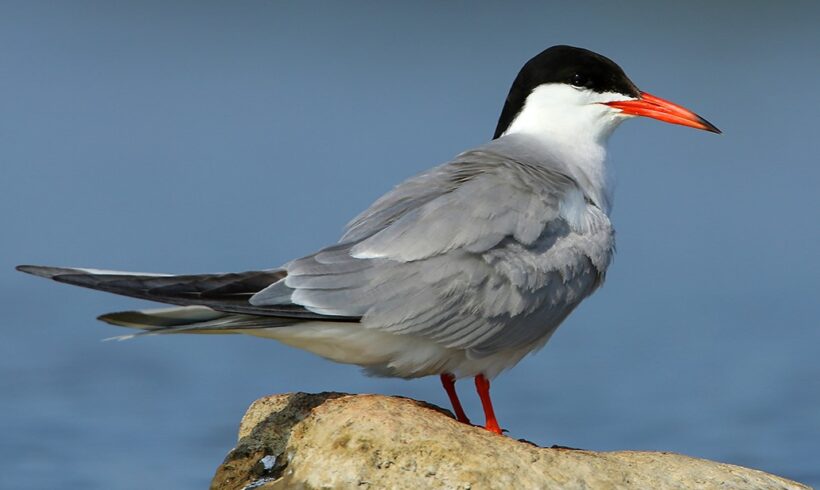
x,y
449,383
482,385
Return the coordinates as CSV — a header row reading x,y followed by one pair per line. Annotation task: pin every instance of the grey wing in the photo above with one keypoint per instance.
x,y
475,254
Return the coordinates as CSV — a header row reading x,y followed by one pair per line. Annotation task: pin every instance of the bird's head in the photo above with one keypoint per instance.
x,y
571,92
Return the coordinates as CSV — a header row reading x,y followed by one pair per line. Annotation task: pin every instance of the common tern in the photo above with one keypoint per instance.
x,y
458,272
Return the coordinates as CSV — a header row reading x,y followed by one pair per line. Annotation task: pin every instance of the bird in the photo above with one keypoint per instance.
x,y
458,272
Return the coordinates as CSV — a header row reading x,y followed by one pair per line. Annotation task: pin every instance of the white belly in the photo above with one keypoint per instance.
x,y
385,354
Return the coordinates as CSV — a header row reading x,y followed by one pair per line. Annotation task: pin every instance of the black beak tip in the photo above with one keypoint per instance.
x,y
709,126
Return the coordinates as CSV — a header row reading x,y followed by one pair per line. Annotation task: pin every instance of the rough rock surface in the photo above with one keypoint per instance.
x,y
333,440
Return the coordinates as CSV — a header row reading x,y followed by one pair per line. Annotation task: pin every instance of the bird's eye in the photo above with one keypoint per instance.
x,y
579,80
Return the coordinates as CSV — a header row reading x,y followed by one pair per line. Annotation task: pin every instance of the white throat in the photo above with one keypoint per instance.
x,y
573,126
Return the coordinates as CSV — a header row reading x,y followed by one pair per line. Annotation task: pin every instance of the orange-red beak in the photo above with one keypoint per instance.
x,y
663,110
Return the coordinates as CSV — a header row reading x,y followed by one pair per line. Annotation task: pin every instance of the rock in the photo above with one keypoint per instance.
x,y
334,440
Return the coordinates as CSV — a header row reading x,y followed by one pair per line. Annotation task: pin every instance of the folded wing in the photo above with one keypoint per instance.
x,y
475,254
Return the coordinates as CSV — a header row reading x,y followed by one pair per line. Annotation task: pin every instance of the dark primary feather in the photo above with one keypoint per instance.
x,y
227,293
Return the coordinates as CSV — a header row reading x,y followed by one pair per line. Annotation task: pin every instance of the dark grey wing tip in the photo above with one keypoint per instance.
x,y
42,270
109,318
132,319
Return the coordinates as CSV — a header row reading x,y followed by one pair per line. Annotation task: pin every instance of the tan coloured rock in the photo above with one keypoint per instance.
x,y
333,440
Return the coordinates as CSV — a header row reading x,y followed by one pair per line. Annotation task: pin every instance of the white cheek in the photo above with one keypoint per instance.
x,y
568,112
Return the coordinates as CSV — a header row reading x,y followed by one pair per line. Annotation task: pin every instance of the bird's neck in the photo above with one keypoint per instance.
x,y
571,128
578,155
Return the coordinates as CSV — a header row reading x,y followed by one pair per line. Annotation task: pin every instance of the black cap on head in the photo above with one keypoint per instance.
x,y
564,64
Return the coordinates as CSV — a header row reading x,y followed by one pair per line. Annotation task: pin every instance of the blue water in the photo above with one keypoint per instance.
x,y
207,137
